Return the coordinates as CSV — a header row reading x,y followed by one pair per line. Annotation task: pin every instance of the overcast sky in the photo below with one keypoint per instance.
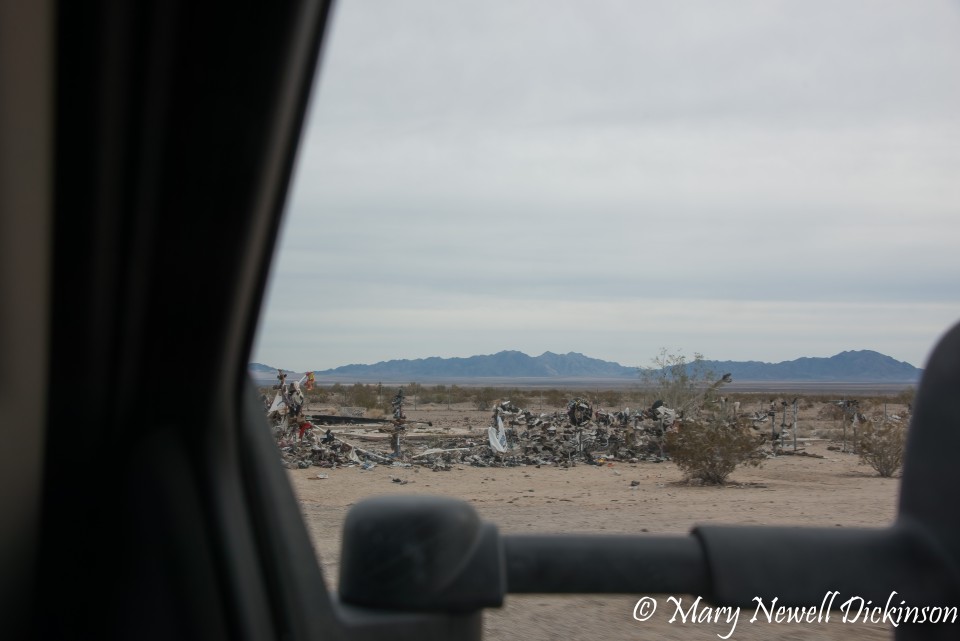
x,y
749,180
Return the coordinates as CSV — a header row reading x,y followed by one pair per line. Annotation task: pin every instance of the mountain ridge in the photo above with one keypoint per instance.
x,y
846,366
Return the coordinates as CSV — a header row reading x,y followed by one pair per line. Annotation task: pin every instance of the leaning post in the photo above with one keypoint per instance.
x,y
772,413
794,425
843,419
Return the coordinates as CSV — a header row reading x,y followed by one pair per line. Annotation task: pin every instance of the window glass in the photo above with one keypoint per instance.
x,y
627,182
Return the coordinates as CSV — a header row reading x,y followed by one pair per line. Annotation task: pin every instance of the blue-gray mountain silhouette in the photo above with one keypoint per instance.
x,y
502,364
859,365
862,365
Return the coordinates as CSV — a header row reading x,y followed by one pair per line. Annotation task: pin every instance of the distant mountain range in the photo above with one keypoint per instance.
x,y
860,366
851,366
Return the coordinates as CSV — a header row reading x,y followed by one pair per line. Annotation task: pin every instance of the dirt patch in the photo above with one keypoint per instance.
x,y
621,498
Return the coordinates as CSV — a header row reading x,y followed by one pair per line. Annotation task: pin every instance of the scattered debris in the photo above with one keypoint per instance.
x,y
803,453
515,437
581,434
497,435
579,412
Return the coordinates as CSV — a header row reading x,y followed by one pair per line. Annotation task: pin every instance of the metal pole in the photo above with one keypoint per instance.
x,y
783,421
854,423
794,426
773,427
844,419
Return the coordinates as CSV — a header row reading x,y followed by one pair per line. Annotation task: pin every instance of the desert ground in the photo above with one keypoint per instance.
x,y
832,491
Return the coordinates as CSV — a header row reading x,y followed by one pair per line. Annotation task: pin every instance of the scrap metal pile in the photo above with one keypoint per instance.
x,y
516,437
580,434
303,441
320,448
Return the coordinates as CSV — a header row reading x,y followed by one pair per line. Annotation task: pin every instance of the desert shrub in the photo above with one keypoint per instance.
x,y
906,397
436,394
610,399
516,396
554,398
678,383
483,398
881,446
830,412
316,395
829,433
804,431
360,395
709,448
711,451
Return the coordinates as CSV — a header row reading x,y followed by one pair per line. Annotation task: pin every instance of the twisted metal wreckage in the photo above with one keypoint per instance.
x,y
515,437
299,438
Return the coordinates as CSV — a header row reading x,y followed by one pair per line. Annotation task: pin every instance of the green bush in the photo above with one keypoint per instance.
x,y
881,446
711,451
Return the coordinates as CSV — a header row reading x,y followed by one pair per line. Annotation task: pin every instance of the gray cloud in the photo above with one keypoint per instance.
x,y
465,161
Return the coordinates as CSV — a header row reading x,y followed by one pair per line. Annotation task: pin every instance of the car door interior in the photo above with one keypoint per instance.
x,y
160,509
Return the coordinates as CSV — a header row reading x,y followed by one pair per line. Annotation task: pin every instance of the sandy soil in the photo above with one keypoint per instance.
x,y
834,491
